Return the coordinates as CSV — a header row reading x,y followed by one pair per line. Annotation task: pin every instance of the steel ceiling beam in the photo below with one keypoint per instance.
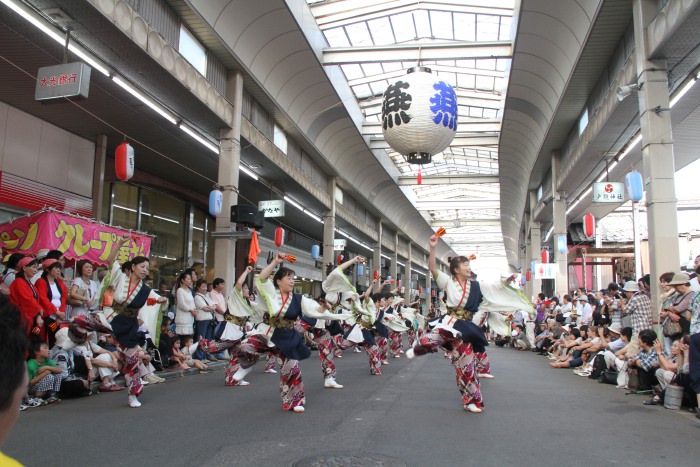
x,y
474,141
468,223
456,204
448,69
341,13
410,52
447,179
487,126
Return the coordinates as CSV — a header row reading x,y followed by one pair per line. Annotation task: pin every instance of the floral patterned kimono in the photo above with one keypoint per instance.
x,y
361,321
127,302
277,334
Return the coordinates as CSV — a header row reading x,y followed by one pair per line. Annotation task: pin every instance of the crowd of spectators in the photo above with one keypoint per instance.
x,y
68,355
608,336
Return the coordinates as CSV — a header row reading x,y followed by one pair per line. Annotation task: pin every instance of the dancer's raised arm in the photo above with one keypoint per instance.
x,y
267,270
242,278
432,263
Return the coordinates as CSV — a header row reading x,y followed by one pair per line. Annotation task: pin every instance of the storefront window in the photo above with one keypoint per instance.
x,y
211,226
125,205
165,218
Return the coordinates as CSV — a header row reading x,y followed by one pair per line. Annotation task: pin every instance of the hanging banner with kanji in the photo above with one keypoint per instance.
x,y
77,237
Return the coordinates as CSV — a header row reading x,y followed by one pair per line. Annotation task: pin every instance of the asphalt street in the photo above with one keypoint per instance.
x,y
410,415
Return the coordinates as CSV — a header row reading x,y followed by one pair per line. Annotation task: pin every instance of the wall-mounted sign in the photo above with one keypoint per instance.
x,y
272,208
339,244
545,271
608,192
65,80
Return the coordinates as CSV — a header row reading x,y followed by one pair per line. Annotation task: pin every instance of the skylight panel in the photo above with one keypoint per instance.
x,y
352,71
502,64
466,81
359,34
371,69
486,64
336,37
490,113
506,22
404,28
381,31
484,83
392,66
450,78
379,87
442,24
464,27
422,22
362,91
487,27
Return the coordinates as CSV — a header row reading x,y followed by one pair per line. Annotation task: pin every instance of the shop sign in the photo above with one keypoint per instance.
x,y
339,244
65,80
272,208
77,237
608,192
545,271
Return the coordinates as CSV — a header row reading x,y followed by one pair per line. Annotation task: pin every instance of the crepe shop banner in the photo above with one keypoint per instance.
x,y
77,237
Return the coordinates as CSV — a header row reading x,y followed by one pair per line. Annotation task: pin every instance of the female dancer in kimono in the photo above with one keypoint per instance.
x,y
397,325
240,311
341,295
455,332
130,295
277,333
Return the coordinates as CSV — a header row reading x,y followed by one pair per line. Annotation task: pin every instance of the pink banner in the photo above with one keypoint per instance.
x,y
77,237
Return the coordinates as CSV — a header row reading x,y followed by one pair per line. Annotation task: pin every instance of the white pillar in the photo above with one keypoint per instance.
x,y
657,153
407,275
535,243
229,163
559,218
329,229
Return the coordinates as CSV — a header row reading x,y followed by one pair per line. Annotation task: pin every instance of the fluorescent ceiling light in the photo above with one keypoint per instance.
x,y
679,95
630,146
546,237
248,172
573,205
51,32
213,148
293,203
144,99
124,208
313,216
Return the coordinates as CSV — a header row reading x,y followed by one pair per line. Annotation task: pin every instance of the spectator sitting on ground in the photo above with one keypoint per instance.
x,y
107,364
572,358
520,340
165,345
183,355
542,334
554,333
584,311
565,310
570,339
668,368
590,349
13,373
45,376
646,361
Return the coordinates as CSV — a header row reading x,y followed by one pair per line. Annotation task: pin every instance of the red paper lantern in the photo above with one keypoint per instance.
x,y
340,258
545,256
124,161
376,274
589,225
419,178
527,276
279,236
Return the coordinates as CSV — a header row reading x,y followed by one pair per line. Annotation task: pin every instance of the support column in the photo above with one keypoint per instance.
x,y
229,163
657,154
377,254
407,275
394,270
528,254
559,217
98,177
535,243
329,229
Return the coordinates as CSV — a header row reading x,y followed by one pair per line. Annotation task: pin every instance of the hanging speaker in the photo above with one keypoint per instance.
x,y
248,216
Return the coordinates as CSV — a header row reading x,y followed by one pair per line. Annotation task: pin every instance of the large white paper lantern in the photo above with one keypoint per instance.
x,y
419,115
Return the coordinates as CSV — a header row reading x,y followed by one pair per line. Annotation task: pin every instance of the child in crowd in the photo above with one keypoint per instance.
x,y
520,340
182,353
44,375
167,338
